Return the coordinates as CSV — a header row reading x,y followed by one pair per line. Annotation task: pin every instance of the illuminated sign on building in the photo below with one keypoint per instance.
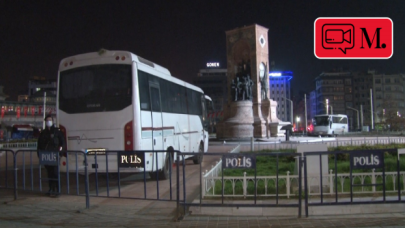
x,y
213,64
274,74
285,74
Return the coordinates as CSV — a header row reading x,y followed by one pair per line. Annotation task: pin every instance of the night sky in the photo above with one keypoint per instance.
x,y
179,35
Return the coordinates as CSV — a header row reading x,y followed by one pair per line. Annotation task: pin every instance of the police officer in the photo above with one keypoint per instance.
x,y
51,139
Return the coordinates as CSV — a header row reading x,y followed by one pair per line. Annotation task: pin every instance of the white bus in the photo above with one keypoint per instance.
x,y
330,125
118,101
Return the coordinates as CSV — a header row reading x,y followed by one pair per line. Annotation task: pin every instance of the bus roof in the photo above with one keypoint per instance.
x,y
207,97
106,56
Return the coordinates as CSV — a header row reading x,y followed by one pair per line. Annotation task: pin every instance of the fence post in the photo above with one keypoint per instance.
x,y
288,184
213,170
403,180
15,174
203,186
244,185
330,182
373,179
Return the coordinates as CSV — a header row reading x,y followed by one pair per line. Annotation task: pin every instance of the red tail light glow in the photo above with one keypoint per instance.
x,y
128,137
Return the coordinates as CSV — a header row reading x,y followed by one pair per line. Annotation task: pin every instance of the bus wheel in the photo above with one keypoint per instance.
x,y
164,174
198,158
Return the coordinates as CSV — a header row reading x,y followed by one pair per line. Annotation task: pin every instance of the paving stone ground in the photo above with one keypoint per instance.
x,y
38,210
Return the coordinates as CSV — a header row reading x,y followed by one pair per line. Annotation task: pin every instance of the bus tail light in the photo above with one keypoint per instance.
x,y
128,137
63,130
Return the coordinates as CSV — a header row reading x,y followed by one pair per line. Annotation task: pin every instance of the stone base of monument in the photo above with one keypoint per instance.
x,y
239,125
275,128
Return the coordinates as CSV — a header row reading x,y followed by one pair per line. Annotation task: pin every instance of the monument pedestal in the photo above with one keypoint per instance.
x,y
239,125
275,128
266,114
273,124
259,122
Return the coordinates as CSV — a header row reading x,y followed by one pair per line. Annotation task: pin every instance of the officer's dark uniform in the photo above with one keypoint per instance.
x,y
51,140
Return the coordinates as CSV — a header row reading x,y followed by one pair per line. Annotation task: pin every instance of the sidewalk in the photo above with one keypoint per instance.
x,y
35,210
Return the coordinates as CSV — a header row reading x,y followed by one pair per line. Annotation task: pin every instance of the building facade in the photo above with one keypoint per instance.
x,y
311,105
389,96
213,81
334,95
36,84
3,96
362,84
19,119
280,91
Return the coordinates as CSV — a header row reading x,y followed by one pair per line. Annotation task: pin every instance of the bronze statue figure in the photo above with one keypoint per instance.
x,y
264,84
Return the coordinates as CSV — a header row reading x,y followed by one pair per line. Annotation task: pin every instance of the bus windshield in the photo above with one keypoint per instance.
x,y
321,121
210,106
96,88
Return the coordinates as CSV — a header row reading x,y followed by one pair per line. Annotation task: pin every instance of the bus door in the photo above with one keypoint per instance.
x,y
157,122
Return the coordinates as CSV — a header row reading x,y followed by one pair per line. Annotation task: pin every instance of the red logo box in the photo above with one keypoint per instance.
x,y
354,38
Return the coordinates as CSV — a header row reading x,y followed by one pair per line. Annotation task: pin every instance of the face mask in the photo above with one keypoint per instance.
x,y
49,123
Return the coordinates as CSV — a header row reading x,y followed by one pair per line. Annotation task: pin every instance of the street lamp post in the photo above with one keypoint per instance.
x,y
327,106
357,116
291,108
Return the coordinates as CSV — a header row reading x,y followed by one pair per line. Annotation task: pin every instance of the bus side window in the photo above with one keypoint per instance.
x,y
155,96
144,91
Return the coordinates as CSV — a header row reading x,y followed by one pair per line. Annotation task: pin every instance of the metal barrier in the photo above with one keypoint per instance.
x,y
104,164
330,142
326,184
18,145
6,167
252,189
99,176
281,144
102,175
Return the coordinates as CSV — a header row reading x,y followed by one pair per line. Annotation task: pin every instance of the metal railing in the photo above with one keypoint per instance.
x,y
292,144
215,183
288,184
21,170
355,184
18,145
214,172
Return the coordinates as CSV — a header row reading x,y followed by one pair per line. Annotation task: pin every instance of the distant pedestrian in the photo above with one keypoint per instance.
x,y
51,139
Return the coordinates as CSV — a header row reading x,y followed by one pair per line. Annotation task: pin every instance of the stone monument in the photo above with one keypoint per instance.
x,y
247,55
